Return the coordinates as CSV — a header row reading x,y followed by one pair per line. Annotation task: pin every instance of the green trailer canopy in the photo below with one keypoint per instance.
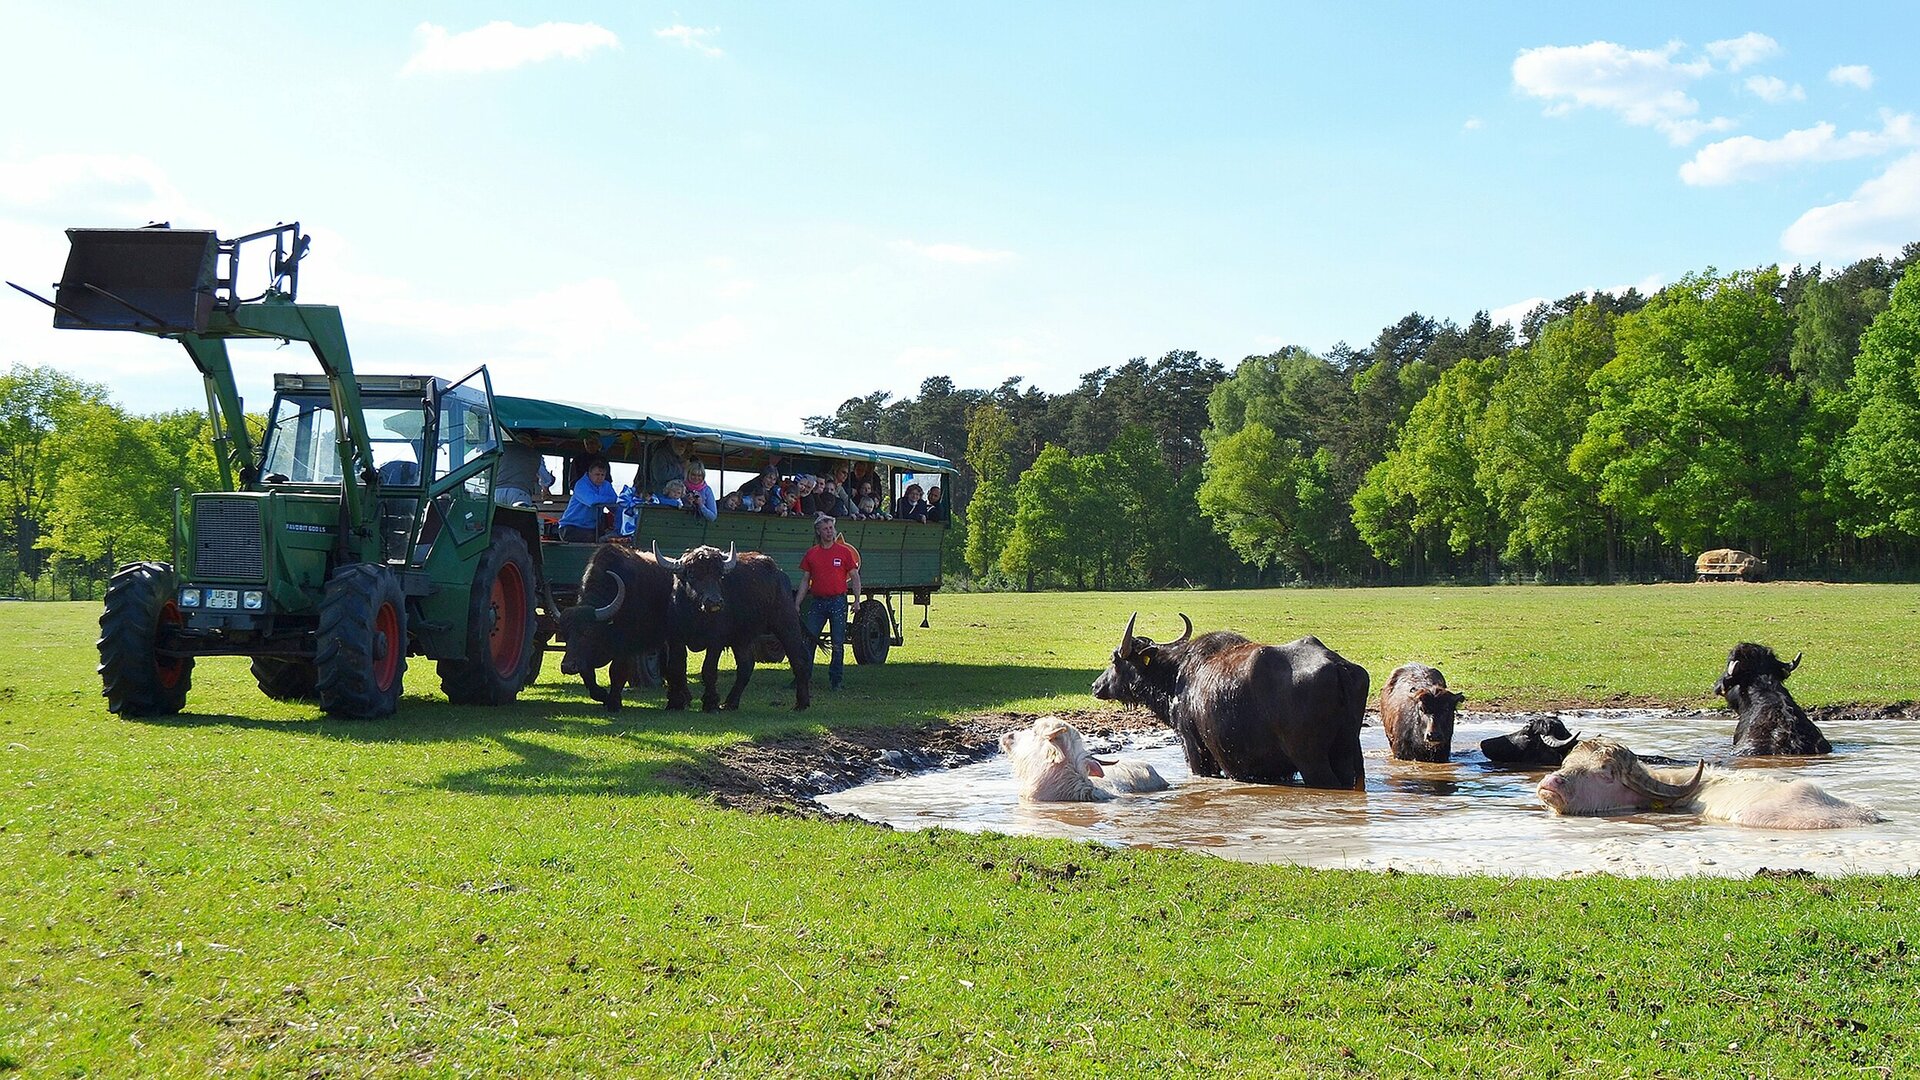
x,y
569,419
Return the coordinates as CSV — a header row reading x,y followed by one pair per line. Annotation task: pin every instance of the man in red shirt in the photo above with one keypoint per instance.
x,y
830,572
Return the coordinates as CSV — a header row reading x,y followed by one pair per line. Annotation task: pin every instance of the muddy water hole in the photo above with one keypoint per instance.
x,y
1465,816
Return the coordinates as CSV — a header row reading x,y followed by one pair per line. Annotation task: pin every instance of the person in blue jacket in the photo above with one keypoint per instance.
x,y
594,492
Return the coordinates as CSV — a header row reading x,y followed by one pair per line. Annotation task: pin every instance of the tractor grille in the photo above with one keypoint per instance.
x,y
226,539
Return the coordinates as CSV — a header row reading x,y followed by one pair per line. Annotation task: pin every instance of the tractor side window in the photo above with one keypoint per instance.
x,y
467,429
397,433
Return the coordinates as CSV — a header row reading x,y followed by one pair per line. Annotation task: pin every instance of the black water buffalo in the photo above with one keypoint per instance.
x,y
1260,713
1544,741
1416,709
723,600
1771,722
624,613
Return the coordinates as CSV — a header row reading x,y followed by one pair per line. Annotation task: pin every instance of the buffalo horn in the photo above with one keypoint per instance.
x,y
1795,664
667,561
730,557
1184,634
1661,792
606,614
1560,744
1126,636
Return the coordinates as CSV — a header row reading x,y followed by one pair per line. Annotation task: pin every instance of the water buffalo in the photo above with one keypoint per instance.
x,y
1544,741
1051,763
1416,709
724,600
623,614
1771,722
1261,713
1602,776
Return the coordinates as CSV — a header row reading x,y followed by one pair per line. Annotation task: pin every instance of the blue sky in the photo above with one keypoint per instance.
x,y
752,212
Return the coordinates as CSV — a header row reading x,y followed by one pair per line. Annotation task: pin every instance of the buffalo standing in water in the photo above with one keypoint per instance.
x,y
1261,713
1416,709
1771,722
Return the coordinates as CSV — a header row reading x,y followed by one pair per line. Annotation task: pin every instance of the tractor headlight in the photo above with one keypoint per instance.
x,y
190,598
253,599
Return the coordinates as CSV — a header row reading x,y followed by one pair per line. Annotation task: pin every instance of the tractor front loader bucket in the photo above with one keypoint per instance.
x,y
154,281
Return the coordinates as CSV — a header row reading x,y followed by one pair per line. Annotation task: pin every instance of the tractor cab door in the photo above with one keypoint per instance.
x,y
466,438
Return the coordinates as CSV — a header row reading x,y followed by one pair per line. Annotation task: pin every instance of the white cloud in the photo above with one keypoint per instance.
x,y
692,37
1855,75
502,46
1744,51
1511,314
92,189
1473,123
1644,87
1774,90
953,253
1745,157
1880,219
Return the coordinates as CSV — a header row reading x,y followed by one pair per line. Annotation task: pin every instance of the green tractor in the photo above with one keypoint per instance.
x,y
360,530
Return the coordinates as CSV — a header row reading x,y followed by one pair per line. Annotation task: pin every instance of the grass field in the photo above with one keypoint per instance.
x,y
249,887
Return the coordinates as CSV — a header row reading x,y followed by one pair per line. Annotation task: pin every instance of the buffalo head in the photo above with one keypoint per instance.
x,y
1749,663
699,573
1602,776
587,628
1544,741
1129,671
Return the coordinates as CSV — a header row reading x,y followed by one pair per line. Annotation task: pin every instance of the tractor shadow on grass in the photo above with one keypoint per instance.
x,y
557,741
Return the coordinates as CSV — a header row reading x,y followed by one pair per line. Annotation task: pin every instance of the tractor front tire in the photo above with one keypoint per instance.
x,y
872,632
136,680
360,653
285,680
500,627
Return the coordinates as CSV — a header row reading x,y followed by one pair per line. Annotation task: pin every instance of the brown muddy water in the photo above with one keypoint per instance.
x,y
1462,817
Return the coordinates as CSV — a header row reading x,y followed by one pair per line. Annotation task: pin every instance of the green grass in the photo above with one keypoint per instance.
x,y
250,887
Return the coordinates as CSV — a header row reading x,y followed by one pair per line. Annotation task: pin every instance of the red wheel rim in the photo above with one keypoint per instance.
x,y
386,645
509,608
169,669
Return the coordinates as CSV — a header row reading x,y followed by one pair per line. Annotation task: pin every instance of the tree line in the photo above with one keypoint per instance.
x,y
1609,436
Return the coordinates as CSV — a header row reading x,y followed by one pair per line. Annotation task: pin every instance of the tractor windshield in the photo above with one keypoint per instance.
x,y
301,444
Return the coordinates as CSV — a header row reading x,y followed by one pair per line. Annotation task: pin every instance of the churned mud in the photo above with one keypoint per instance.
x,y
784,776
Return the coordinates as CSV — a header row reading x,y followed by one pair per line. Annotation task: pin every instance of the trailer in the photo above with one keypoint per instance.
x,y
899,559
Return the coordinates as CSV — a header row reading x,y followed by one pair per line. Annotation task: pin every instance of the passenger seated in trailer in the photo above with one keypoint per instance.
x,y
867,502
910,506
936,510
674,495
838,500
590,511
755,490
700,498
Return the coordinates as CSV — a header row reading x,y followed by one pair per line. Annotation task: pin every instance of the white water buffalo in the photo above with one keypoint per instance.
x,y
1051,763
1602,776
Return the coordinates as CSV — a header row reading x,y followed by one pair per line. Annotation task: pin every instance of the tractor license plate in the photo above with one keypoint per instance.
x,y
223,598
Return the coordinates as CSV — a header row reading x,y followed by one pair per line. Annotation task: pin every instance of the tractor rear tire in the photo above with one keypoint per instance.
x,y
285,680
500,627
872,632
135,680
360,657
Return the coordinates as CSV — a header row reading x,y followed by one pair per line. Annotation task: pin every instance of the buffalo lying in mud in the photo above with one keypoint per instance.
x,y
1602,776
723,600
1544,741
1260,713
1051,763
1771,722
1416,709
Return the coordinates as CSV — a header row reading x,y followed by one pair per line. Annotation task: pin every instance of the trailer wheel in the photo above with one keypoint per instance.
x,y
361,653
872,632
500,627
135,680
285,680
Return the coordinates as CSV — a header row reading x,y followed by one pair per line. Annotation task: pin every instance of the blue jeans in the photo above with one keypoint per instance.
x,y
827,611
